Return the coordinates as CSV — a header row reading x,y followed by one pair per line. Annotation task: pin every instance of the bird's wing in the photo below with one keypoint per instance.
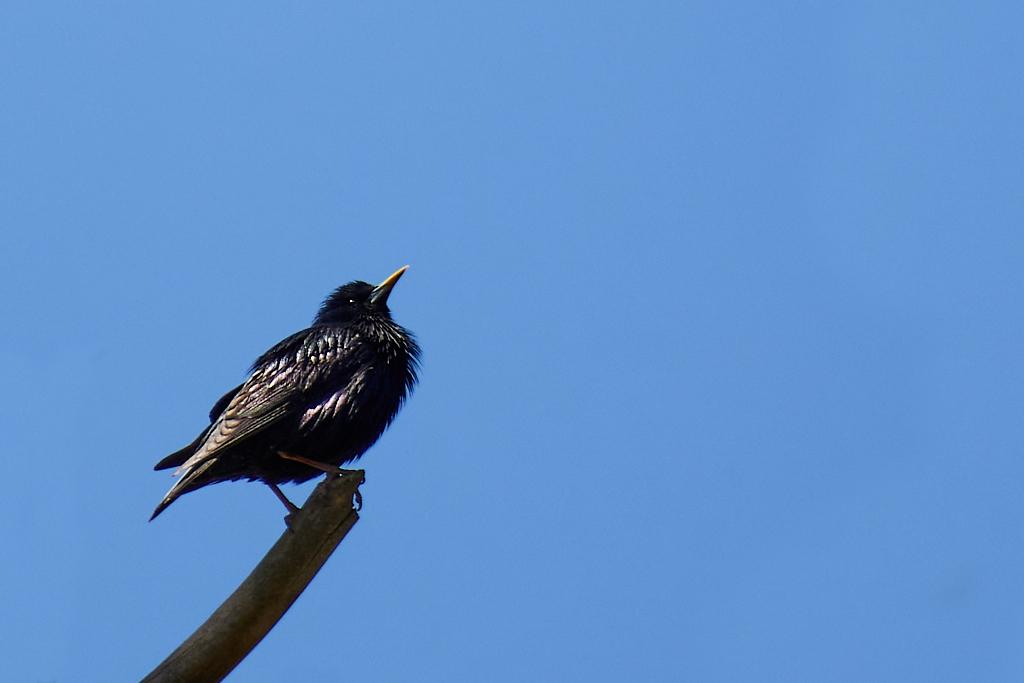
x,y
222,403
178,457
284,382
266,397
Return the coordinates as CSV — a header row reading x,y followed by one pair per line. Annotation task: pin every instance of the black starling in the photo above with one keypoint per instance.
x,y
317,400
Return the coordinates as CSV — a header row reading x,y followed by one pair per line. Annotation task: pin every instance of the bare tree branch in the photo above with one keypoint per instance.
x,y
240,623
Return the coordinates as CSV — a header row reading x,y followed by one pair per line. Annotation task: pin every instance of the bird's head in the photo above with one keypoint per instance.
x,y
357,299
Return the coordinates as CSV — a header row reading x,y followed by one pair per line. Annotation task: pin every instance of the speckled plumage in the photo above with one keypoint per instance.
x,y
326,393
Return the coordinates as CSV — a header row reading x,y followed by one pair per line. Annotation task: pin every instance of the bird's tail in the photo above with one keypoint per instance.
x,y
178,458
190,481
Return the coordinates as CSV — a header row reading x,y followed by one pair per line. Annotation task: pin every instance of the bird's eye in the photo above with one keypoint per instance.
x,y
351,302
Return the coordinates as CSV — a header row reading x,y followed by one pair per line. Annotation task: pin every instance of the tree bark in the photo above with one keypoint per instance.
x,y
241,622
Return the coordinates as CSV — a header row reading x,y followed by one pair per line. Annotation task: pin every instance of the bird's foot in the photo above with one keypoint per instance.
x,y
284,499
322,466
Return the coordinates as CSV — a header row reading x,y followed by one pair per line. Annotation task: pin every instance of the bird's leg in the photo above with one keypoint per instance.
x,y
280,496
322,466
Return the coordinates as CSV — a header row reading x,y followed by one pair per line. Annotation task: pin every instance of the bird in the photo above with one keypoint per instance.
x,y
316,400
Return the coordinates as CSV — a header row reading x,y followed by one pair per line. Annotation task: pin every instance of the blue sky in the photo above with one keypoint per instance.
x,y
720,306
